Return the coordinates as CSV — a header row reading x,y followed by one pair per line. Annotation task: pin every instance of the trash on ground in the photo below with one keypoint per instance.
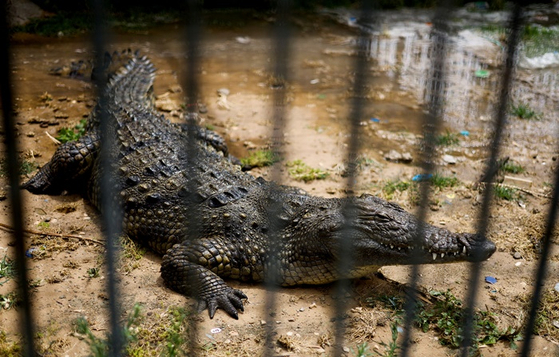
x,y
465,133
421,177
243,39
481,73
215,330
490,280
375,120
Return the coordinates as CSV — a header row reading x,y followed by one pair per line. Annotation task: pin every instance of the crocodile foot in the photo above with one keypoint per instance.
x,y
228,299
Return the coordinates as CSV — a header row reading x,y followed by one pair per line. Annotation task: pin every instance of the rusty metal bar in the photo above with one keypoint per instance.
x,y
16,204
111,214
492,168
431,123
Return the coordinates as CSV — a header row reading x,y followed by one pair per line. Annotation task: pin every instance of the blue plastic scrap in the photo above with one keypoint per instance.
x,y
375,120
421,177
490,280
464,133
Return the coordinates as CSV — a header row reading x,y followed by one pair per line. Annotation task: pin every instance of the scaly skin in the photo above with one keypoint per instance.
x,y
159,192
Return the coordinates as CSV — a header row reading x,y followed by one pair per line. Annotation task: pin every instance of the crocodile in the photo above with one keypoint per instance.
x,y
233,232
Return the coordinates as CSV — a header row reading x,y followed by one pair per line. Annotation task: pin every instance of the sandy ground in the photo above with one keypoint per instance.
x,y
60,270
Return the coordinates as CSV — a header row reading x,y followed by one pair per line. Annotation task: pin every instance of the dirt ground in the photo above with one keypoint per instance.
x,y
64,287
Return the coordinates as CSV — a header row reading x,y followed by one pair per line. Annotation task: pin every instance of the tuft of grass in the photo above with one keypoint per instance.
x,y
25,167
259,158
446,317
391,187
176,334
524,111
439,181
93,273
99,347
512,168
505,193
363,350
300,171
447,139
72,134
9,300
9,348
132,252
548,312
7,270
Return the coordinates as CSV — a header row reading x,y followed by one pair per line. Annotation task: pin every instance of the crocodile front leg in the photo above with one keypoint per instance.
x,y
70,162
192,270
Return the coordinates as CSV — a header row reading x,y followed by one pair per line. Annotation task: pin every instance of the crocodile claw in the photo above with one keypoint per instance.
x,y
229,300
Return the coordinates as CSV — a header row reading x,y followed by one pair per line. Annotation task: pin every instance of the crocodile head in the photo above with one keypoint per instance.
x,y
383,234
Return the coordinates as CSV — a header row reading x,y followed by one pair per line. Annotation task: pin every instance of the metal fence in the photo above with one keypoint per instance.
x,y
281,38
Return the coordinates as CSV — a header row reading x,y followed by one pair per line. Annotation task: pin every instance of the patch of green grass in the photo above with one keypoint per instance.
x,y
446,317
512,168
447,139
99,347
439,181
547,313
93,272
9,348
524,111
259,158
505,193
132,252
7,270
300,171
25,167
72,134
176,333
391,187
43,225
363,350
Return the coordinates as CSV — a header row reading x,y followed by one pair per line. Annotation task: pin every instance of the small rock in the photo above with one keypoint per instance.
x,y
243,39
395,156
557,287
449,159
202,109
312,306
517,255
249,145
166,104
320,350
223,91
262,322
346,349
59,115
302,309
31,134
176,88
556,323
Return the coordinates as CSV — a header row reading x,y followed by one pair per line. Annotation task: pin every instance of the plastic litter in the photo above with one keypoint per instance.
x,y
481,73
465,133
490,280
215,330
243,39
557,287
421,177
29,252
315,81
375,120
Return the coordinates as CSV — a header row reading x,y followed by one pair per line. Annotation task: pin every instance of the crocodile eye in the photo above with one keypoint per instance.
x,y
214,202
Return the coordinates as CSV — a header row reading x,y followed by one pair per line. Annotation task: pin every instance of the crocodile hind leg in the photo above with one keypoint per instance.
x,y
186,269
63,172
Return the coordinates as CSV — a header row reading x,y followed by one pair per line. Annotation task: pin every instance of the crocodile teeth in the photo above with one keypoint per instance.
x,y
434,256
442,255
464,250
391,246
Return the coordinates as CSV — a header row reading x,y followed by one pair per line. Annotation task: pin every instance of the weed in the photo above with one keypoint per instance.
x,y
132,252
505,193
363,350
391,187
210,127
7,270
100,347
447,139
25,167
176,332
523,111
259,158
68,134
93,273
512,168
446,316
9,348
9,300
439,181
43,225
300,171
548,314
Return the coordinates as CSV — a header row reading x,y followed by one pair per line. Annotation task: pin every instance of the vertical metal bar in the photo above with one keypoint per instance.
x,y
192,39
358,102
281,55
16,204
492,168
111,215
542,267
432,122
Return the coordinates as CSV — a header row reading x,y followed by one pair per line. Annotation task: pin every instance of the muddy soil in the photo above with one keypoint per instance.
x,y
318,95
